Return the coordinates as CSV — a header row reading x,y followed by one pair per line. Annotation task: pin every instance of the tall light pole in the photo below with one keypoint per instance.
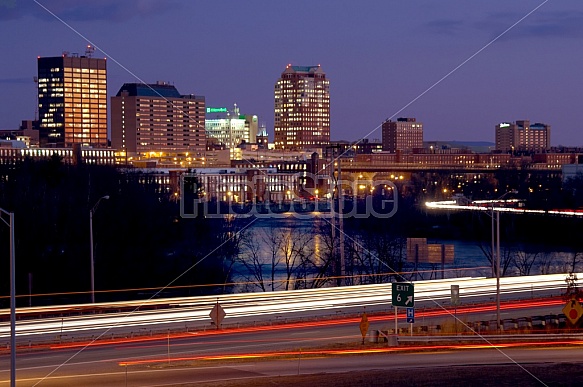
x,y
495,237
337,196
497,262
498,269
12,296
91,212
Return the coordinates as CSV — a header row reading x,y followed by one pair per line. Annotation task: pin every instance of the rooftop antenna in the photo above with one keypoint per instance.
x,y
89,51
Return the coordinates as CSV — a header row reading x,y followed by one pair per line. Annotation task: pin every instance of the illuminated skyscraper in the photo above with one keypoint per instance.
x,y
157,118
522,136
231,128
403,135
72,100
302,108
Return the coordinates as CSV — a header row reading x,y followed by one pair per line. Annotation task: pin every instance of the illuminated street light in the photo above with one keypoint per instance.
x,y
498,321
91,212
452,204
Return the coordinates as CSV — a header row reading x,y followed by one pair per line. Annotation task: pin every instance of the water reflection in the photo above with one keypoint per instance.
x,y
297,253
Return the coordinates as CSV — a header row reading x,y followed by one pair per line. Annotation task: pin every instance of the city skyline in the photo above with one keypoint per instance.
x,y
379,56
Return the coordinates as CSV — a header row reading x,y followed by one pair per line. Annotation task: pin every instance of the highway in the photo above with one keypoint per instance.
x,y
214,356
111,374
498,206
246,309
179,344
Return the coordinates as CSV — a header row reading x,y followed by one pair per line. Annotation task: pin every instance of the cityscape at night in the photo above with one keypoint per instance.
x,y
379,56
190,190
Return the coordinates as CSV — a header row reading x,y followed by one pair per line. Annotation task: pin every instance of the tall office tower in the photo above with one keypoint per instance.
x,y
72,100
157,118
252,126
302,108
231,128
403,135
522,136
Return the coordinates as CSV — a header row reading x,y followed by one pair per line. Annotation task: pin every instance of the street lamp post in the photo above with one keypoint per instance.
x,y
498,269
12,296
496,261
336,180
91,212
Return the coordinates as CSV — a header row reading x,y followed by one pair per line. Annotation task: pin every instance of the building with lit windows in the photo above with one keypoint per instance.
x,y
302,108
522,136
262,139
72,100
27,133
231,128
404,135
14,155
240,184
156,119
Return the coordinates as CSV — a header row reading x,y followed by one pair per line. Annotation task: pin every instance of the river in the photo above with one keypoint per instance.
x,y
469,259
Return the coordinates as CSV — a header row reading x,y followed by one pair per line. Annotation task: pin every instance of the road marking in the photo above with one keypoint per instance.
x,y
304,333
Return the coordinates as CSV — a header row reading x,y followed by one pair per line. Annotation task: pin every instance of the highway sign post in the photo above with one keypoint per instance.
x,y
411,319
411,315
573,311
455,295
364,324
455,301
217,314
403,294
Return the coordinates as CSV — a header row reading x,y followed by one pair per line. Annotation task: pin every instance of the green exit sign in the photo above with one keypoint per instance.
x,y
403,294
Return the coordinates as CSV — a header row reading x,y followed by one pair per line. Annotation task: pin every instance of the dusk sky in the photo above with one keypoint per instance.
x,y
378,54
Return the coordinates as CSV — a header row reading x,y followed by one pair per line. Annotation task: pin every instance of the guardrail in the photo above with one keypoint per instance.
x,y
514,338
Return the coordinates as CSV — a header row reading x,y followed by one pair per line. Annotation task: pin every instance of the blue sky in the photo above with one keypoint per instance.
x,y
380,55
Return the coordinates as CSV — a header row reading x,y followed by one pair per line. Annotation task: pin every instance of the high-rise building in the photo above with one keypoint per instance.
x,y
402,135
302,108
157,118
522,136
231,128
252,126
72,100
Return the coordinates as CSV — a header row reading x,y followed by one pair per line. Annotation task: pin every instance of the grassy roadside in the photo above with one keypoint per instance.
x,y
564,374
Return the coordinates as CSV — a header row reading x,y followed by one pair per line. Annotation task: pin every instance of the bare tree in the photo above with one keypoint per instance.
x,y
272,242
251,259
545,262
506,258
288,253
316,266
377,256
575,261
229,239
524,261
325,262
293,249
573,291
